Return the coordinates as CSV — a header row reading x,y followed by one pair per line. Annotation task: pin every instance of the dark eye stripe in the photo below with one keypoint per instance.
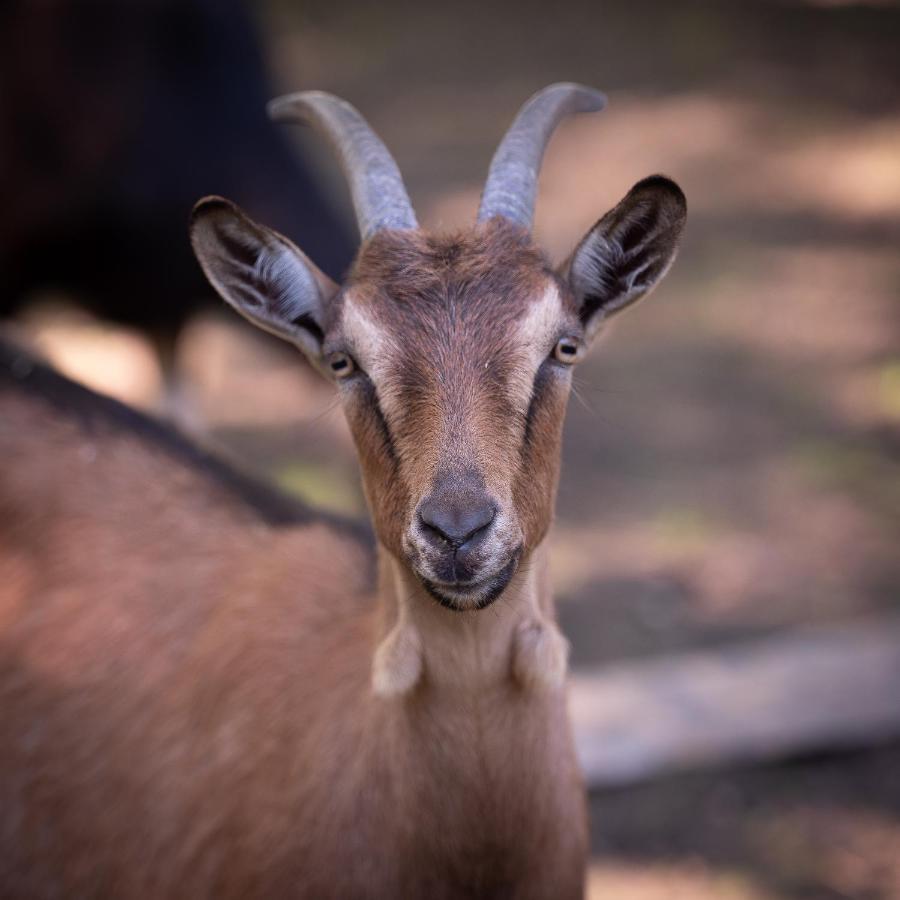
x,y
538,391
370,397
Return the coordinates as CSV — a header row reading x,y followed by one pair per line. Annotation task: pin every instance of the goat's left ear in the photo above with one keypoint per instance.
x,y
628,251
262,274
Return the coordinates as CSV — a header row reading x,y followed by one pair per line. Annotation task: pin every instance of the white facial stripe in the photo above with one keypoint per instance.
x,y
373,345
539,323
376,347
536,330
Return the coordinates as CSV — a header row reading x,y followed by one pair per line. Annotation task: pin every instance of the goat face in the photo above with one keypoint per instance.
x,y
456,399
453,356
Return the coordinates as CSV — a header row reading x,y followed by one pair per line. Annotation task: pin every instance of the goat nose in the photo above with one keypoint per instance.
x,y
456,523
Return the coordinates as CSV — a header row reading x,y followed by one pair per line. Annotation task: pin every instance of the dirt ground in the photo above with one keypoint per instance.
x,y
732,456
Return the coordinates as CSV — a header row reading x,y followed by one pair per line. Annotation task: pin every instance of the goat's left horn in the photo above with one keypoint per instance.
x,y
512,180
376,187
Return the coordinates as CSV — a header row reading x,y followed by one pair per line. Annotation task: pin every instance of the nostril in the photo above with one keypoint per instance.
x,y
479,521
456,524
431,529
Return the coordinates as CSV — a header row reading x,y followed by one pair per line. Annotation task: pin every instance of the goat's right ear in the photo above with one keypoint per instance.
x,y
262,274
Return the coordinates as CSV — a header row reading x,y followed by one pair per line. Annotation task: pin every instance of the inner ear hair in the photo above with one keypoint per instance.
x,y
628,251
262,274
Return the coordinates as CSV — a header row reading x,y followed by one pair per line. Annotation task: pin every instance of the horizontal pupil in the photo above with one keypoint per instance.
x,y
339,364
567,349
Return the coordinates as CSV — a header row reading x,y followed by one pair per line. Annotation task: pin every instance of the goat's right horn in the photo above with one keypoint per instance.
x,y
512,180
376,187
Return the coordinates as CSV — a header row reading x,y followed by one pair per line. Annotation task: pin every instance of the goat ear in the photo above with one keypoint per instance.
x,y
628,251
261,274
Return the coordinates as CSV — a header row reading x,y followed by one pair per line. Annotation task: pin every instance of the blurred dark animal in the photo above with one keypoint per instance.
x,y
113,119
206,692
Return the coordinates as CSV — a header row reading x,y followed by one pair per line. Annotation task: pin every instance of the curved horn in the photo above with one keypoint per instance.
x,y
512,179
376,187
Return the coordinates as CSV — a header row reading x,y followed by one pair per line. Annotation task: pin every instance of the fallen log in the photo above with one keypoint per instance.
x,y
808,689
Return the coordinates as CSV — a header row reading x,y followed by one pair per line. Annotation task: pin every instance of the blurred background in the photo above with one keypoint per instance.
x,y
732,454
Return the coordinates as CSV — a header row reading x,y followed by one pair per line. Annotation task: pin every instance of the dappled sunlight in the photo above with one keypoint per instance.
x,y
322,484
690,880
850,170
815,549
769,834
594,161
246,380
231,387
109,358
729,153
824,305
852,852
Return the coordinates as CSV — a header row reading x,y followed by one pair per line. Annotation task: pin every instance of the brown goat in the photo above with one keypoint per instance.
x,y
206,692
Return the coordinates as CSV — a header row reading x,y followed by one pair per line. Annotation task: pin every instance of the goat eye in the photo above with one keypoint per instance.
x,y
341,364
567,351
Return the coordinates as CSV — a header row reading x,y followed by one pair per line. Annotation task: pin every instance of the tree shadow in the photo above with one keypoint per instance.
x,y
824,826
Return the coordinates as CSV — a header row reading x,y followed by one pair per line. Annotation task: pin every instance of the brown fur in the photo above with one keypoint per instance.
x,y
455,301
187,702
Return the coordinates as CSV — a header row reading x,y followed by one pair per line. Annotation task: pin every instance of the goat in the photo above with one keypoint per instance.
x,y
209,694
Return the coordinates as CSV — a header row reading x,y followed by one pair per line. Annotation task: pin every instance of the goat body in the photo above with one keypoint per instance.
x,y
209,693
185,682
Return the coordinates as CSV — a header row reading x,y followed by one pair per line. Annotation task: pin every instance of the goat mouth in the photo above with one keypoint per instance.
x,y
472,595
